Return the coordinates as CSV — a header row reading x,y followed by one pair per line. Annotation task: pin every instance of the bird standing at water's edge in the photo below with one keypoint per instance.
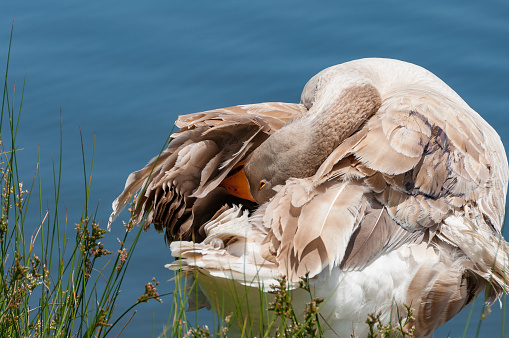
x,y
382,184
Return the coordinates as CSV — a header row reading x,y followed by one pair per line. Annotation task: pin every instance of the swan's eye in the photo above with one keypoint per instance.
x,y
262,184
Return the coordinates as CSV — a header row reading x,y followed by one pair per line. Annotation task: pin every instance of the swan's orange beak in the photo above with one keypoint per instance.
x,y
236,183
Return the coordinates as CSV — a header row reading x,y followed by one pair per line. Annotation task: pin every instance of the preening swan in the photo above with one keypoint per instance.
x,y
382,184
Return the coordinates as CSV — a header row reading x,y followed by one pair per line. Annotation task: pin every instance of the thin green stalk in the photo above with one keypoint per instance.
x,y
5,95
70,299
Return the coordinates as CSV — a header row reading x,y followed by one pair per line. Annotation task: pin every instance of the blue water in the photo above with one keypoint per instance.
x,y
124,70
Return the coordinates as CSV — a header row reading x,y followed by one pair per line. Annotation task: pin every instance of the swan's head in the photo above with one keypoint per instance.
x,y
254,178
265,170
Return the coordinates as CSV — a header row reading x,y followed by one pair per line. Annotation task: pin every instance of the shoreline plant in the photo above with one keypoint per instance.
x,y
57,280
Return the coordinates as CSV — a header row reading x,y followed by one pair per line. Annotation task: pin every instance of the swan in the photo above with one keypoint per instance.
x,y
382,185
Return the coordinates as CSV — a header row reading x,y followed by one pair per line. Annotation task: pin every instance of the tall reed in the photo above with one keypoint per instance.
x,y
56,278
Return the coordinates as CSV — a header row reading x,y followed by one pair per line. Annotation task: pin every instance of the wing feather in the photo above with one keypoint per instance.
x,y
197,159
311,229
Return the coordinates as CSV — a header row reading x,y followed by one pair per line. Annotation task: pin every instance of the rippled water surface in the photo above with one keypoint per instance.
x,y
124,70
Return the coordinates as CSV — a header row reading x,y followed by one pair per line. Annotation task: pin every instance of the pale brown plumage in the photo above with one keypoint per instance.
x,y
182,192
381,159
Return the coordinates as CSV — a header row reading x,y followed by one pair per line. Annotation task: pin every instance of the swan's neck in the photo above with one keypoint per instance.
x,y
337,117
299,148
